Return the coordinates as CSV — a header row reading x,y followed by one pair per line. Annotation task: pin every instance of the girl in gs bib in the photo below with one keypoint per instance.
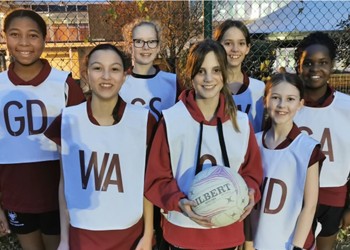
x,y
103,145
146,84
201,130
32,94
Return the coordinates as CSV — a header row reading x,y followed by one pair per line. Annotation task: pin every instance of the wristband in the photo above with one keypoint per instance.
x,y
296,248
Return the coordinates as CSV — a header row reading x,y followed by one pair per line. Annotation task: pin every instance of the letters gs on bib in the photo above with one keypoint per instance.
x,y
152,107
19,117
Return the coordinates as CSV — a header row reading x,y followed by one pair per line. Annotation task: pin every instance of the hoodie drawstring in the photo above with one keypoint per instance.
x,y
222,146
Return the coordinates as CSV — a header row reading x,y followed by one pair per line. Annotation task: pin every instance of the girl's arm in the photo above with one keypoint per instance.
x,y
73,92
160,186
53,132
145,242
307,213
251,170
64,216
4,226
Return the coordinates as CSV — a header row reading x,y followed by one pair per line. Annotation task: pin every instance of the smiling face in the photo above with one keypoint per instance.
x,y
105,74
282,102
235,45
145,55
208,82
315,66
25,41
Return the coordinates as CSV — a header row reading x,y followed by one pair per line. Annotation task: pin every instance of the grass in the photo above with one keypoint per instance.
x,y
9,242
343,239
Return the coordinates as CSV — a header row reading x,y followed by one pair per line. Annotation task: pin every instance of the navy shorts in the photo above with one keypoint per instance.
x,y
23,223
330,218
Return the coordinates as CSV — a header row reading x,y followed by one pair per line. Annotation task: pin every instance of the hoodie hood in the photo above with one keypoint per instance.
x,y
188,98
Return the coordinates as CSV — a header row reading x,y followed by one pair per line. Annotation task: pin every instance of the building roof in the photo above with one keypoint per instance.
x,y
303,16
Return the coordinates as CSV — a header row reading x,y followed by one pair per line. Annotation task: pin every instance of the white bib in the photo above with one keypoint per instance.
x,y
330,125
183,139
104,168
155,93
251,102
285,173
26,112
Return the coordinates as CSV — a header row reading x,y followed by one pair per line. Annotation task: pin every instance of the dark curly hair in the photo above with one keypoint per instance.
x,y
319,38
21,13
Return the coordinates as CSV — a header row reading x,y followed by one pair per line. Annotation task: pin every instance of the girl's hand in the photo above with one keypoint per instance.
x,y
144,244
345,222
63,245
4,226
186,207
250,205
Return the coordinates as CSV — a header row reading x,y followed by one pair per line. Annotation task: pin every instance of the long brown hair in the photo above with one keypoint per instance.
x,y
292,79
278,78
223,27
195,60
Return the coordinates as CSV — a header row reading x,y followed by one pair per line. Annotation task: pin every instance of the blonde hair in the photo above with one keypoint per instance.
x,y
128,31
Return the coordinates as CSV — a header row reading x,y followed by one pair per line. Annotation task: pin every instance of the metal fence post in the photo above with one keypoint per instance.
x,y
208,18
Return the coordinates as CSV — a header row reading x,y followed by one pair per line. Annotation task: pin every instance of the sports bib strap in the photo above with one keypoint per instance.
x,y
198,166
222,146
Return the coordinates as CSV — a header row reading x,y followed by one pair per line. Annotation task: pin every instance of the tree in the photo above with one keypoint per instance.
x,y
260,59
343,42
180,22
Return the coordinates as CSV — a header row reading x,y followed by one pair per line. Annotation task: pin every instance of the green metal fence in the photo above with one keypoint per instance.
x,y
276,27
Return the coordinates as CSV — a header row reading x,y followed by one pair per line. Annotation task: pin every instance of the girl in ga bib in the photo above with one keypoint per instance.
x,y
325,117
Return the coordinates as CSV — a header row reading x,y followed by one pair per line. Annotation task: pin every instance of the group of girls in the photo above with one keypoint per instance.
x,y
137,142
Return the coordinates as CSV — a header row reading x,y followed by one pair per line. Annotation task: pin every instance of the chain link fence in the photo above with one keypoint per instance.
x,y
276,27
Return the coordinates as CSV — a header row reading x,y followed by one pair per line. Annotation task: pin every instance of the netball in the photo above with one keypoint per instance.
x,y
219,193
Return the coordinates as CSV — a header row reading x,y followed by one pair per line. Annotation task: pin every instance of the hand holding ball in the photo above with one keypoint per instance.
x,y
220,193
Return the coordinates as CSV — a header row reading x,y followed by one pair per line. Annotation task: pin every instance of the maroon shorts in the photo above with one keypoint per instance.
x,y
23,223
82,239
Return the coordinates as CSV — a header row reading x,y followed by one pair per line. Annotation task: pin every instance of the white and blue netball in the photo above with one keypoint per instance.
x,y
220,193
